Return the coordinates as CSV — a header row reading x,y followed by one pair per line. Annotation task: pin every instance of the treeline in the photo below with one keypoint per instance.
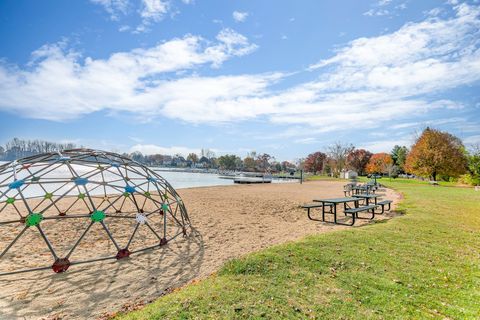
x,y
208,160
339,158
18,148
434,155
262,162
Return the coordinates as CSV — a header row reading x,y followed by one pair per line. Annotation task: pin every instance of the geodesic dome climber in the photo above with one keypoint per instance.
x,y
82,205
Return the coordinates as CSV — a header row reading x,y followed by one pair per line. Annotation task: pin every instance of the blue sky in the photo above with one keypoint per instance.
x,y
282,77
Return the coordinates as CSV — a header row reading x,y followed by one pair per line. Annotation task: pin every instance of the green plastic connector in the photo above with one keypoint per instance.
x,y
33,219
97,216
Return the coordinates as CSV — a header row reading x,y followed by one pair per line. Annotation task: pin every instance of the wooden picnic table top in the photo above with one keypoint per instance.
x,y
337,200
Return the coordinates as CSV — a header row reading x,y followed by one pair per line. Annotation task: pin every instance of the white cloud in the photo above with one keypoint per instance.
x,y
384,2
239,16
419,57
150,11
434,122
435,12
60,85
124,28
472,140
115,8
154,10
308,140
376,12
155,149
379,8
368,83
386,145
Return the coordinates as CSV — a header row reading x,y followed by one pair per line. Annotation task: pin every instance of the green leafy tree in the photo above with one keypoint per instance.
x,y
473,166
399,156
229,161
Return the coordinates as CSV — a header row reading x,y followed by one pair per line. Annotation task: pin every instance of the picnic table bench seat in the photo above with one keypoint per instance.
x,y
314,205
354,211
384,203
360,209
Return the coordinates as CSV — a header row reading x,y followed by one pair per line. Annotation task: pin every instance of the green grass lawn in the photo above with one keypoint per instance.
x,y
322,178
425,264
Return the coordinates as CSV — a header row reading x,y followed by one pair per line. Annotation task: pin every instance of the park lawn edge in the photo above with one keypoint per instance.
x,y
420,265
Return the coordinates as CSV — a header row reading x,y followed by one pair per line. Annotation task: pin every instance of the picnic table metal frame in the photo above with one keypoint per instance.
x,y
362,189
367,197
332,203
309,207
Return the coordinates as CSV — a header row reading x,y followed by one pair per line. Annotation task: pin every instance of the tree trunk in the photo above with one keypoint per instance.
x,y
434,176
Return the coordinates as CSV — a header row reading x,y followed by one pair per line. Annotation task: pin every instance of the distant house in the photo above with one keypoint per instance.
x,y
204,162
179,161
167,161
348,174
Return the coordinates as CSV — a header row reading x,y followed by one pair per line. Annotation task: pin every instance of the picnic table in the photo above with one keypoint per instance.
x,y
368,188
333,203
367,197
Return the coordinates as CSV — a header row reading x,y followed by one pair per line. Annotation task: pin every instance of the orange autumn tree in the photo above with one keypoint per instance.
x,y
436,153
379,163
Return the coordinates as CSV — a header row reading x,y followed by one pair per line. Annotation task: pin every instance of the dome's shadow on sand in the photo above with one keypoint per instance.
x,y
88,291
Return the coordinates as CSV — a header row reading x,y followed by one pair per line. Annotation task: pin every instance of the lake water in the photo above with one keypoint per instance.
x,y
180,179
193,179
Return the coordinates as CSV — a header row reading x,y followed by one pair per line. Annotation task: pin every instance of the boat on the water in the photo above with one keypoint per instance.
x,y
253,177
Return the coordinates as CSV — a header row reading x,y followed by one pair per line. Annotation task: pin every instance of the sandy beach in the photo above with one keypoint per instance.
x,y
229,221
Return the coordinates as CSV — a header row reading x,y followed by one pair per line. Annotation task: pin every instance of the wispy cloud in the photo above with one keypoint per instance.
x,y
115,8
239,16
387,145
149,11
379,8
472,140
376,12
384,2
309,140
155,149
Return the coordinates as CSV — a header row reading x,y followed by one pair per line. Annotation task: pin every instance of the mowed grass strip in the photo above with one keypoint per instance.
x,y
424,264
